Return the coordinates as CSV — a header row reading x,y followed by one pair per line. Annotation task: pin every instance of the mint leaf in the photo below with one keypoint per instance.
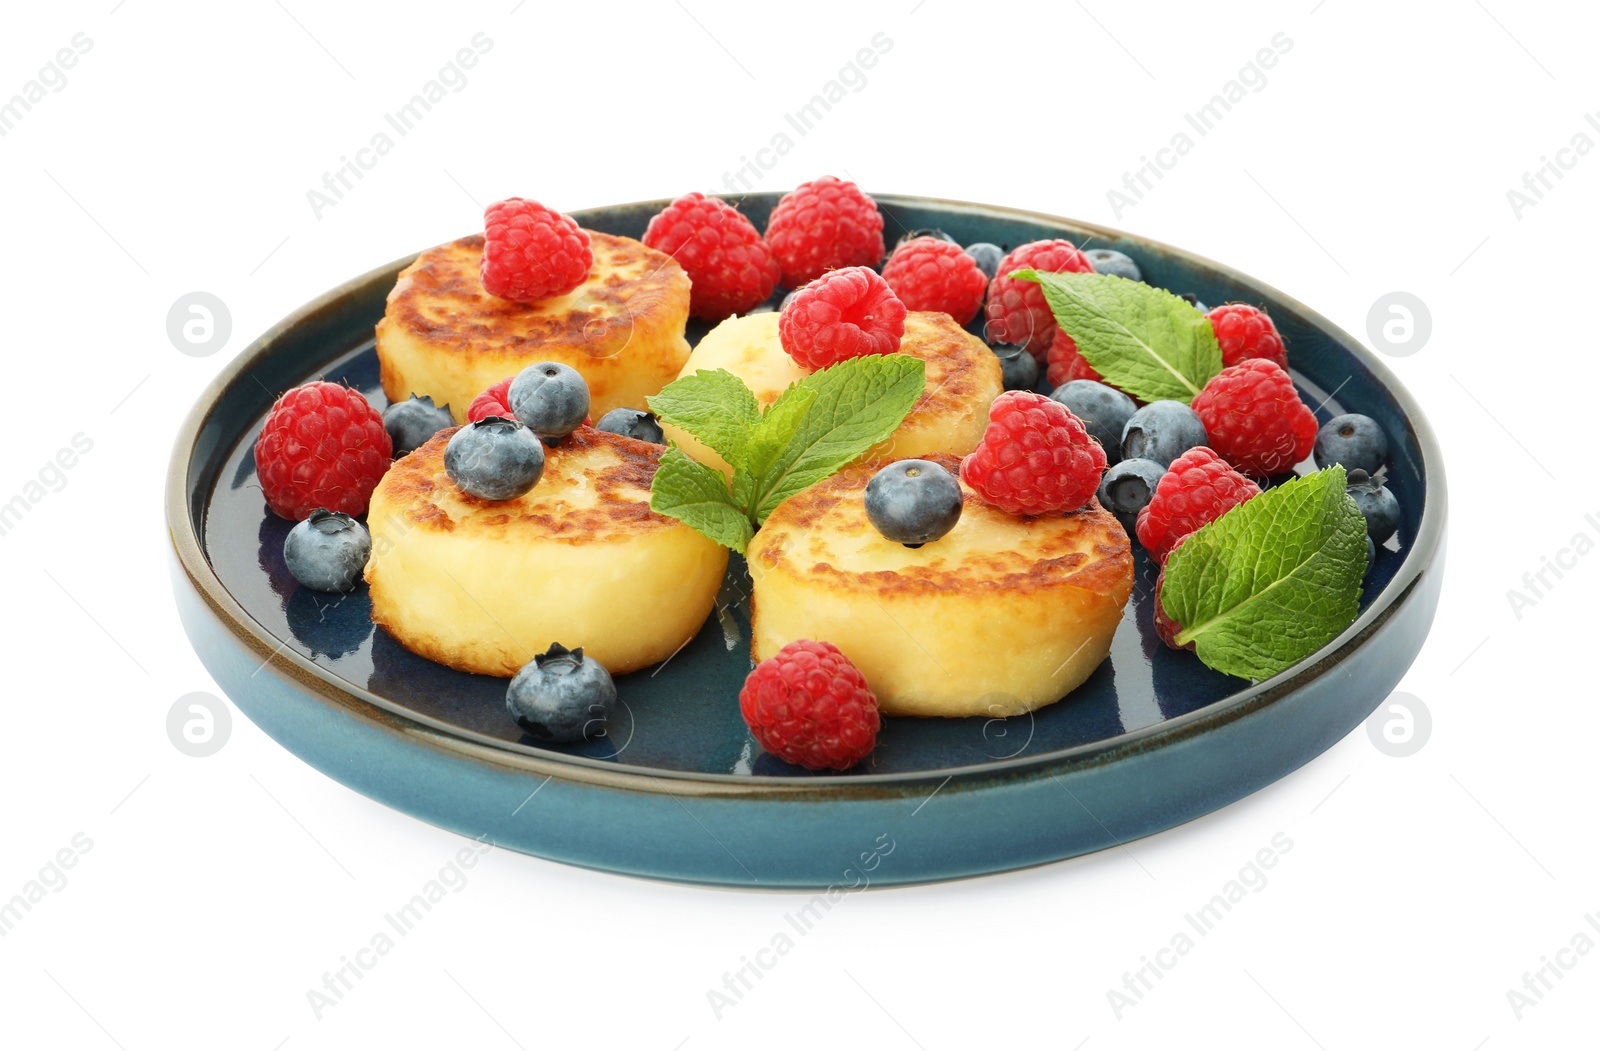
x,y
1273,580
698,496
769,438
1143,340
715,406
859,402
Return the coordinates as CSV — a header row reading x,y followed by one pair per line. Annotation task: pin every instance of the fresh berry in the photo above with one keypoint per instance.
x,y
1376,503
729,264
1255,419
561,696
531,252
496,401
1194,301
1354,440
1018,369
912,235
1035,457
327,551
1162,431
1065,363
1372,553
550,399
913,502
633,423
412,422
1104,410
494,459
322,445
930,274
1196,490
1127,488
808,705
1245,332
826,224
1167,629
1110,261
987,256
844,314
1016,310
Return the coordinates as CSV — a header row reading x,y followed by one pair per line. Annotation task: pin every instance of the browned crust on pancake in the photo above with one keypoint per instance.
x,y
618,469
959,364
439,300
1094,554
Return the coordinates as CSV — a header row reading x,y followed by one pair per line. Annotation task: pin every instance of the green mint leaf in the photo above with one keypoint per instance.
x,y
859,402
698,496
1273,580
778,426
1148,342
715,406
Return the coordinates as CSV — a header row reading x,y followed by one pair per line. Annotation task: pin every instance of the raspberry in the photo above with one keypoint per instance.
x,y
1016,310
1197,489
1245,332
730,266
1035,457
844,314
493,402
322,446
1066,364
1254,418
823,225
531,252
928,273
808,705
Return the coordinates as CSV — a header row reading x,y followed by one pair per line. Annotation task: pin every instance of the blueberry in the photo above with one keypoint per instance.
x,y
632,423
1194,301
1162,431
550,399
1354,440
1372,553
412,422
987,256
1104,410
561,696
1127,487
328,551
1111,261
494,459
938,235
1376,503
913,501
1019,370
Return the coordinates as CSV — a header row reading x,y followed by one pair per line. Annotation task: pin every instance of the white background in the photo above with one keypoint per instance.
x,y
1377,157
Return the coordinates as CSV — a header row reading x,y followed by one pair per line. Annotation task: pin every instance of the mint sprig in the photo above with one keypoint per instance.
x,y
1144,340
1271,581
816,426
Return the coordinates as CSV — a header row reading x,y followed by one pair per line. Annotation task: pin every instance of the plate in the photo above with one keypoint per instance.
x,y
678,789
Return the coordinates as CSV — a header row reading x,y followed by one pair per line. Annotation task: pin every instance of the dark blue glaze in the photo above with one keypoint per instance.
x,y
678,789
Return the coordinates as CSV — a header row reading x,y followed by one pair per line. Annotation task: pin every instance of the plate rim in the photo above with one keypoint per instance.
x,y
188,549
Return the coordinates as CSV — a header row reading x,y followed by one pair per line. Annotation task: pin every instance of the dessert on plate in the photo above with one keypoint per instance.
x,y
445,336
484,586
925,534
1003,614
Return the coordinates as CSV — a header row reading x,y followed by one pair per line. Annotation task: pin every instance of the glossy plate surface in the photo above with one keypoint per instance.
x,y
678,789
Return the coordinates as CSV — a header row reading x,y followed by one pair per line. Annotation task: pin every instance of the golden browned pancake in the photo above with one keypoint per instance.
x,y
963,378
442,335
580,559
1002,615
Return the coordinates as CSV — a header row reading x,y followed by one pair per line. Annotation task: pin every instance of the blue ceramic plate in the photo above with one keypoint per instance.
x,y
679,790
